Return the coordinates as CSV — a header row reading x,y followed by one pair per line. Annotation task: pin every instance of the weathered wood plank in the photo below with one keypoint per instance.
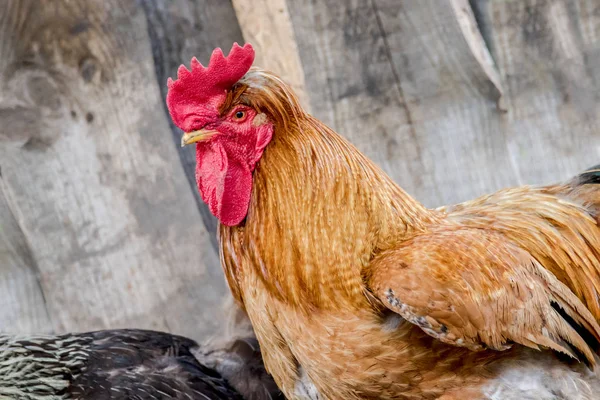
x,y
268,26
400,81
352,85
452,100
548,54
104,205
22,305
474,38
178,31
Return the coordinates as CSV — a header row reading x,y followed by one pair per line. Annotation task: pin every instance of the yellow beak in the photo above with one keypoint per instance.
x,y
197,136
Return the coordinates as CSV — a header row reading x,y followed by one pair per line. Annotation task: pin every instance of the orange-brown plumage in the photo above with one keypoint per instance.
x,y
332,252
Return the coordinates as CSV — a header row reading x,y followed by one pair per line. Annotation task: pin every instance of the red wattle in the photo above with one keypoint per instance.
x,y
225,184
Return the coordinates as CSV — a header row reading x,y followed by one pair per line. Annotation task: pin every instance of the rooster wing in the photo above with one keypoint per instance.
x,y
473,288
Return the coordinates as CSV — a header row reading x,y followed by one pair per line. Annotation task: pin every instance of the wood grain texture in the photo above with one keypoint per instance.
x,y
548,54
452,102
103,203
22,305
268,26
474,38
353,85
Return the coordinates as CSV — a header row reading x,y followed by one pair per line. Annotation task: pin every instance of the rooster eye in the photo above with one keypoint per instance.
x,y
240,115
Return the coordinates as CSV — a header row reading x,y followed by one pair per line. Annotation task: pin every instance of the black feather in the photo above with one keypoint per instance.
x,y
590,176
110,365
143,364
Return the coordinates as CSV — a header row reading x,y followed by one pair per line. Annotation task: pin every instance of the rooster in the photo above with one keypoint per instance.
x,y
356,290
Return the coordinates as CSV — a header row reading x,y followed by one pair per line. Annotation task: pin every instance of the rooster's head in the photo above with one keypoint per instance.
x,y
230,112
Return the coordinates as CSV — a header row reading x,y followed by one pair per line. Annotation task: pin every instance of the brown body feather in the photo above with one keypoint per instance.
x,y
332,248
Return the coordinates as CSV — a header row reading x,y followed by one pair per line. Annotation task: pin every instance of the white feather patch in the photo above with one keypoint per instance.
x,y
304,388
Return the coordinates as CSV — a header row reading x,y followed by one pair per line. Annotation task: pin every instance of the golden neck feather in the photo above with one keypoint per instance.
x,y
319,211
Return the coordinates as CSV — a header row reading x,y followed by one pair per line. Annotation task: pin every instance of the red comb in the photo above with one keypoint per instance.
x,y
205,87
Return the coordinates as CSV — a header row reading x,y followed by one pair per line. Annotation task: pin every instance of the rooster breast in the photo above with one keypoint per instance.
x,y
365,354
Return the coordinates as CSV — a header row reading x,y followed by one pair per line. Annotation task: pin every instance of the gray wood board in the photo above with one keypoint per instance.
x,y
548,54
102,202
22,305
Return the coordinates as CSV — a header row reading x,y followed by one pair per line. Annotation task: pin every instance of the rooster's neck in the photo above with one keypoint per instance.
x,y
319,211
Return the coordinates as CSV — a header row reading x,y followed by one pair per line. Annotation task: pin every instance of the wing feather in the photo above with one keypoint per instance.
x,y
473,288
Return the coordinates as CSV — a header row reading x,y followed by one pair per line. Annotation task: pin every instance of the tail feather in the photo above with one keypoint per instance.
x,y
590,176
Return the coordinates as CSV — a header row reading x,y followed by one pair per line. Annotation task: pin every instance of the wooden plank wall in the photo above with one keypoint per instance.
x,y
96,205
100,223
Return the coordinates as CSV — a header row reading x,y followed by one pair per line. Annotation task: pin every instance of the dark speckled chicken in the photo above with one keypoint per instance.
x,y
130,364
